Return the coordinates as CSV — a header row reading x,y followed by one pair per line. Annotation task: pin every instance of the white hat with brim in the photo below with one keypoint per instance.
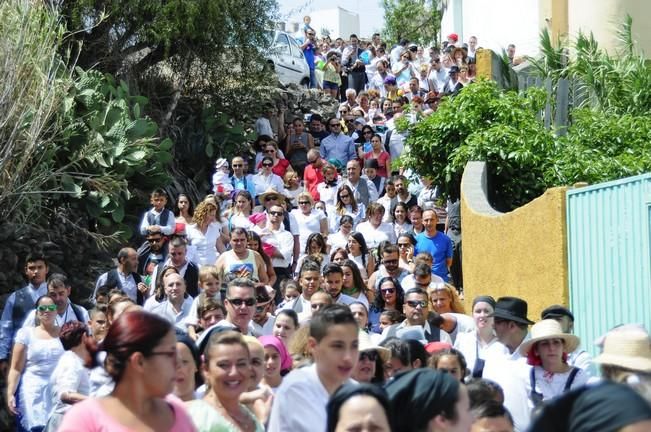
x,y
549,329
627,349
366,344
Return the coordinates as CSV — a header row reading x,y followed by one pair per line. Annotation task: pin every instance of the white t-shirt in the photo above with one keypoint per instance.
x,y
300,403
307,224
205,243
375,236
69,376
470,348
337,240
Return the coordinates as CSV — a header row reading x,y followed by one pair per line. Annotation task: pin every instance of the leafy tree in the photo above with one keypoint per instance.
x,y
419,21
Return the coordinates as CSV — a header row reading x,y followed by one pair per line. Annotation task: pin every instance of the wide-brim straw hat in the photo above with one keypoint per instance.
x,y
270,191
627,349
549,329
366,344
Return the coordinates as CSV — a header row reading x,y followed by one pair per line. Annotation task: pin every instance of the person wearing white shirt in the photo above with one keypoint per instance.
x,y
363,188
303,395
438,76
480,342
176,307
309,279
59,289
281,239
265,180
340,238
510,370
374,230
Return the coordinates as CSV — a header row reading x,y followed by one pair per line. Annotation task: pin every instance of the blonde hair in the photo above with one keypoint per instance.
x,y
307,196
202,210
208,271
455,302
288,175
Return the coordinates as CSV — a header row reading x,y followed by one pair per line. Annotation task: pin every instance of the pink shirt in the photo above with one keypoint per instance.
x,y
89,416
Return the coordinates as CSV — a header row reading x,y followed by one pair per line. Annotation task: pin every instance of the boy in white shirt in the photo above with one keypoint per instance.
x,y
300,402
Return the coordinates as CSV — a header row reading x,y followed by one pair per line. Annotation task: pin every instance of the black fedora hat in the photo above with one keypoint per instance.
x,y
511,309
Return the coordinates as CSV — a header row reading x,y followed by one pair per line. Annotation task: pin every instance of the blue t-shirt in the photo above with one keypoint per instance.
x,y
440,247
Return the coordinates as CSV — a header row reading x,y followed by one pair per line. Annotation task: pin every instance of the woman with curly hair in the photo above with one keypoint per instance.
x,y
205,233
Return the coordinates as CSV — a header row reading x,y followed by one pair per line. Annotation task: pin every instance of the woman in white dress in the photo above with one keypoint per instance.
x,y
35,355
205,234
476,345
70,381
308,220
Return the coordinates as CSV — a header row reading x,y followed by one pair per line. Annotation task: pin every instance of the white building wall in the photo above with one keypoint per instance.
x,y
340,22
495,23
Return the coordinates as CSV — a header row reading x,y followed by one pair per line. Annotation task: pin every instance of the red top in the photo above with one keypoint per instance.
x,y
311,178
382,160
280,168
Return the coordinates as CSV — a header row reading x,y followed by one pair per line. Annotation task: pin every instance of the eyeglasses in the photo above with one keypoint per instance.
x,y
415,303
275,213
271,198
404,244
168,354
388,290
238,165
393,261
47,308
267,165
370,355
237,302
303,202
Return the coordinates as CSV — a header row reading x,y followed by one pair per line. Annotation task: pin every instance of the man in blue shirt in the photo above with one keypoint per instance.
x,y
337,145
436,244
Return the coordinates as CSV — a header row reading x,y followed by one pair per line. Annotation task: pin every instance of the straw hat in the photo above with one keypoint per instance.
x,y
366,344
549,329
627,349
270,191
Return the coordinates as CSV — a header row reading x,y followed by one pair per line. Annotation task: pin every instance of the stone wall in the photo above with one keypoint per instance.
x,y
67,249
522,253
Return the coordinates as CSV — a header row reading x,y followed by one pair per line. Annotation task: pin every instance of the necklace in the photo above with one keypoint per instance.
x,y
240,419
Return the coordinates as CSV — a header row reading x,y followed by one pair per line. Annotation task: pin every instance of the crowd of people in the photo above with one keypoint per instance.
x,y
318,287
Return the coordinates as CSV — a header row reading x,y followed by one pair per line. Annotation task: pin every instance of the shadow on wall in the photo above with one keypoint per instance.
x,y
522,253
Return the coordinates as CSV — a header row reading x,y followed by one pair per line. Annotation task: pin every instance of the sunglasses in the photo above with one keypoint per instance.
x,y
415,303
275,213
239,302
271,198
388,290
303,202
237,165
46,308
344,196
267,165
270,151
335,125
404,244
370,355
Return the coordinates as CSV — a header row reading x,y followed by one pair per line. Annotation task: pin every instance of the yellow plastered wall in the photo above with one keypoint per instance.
x,y
522,253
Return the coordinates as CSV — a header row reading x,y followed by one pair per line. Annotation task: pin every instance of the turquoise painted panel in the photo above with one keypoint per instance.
x,y
609,256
